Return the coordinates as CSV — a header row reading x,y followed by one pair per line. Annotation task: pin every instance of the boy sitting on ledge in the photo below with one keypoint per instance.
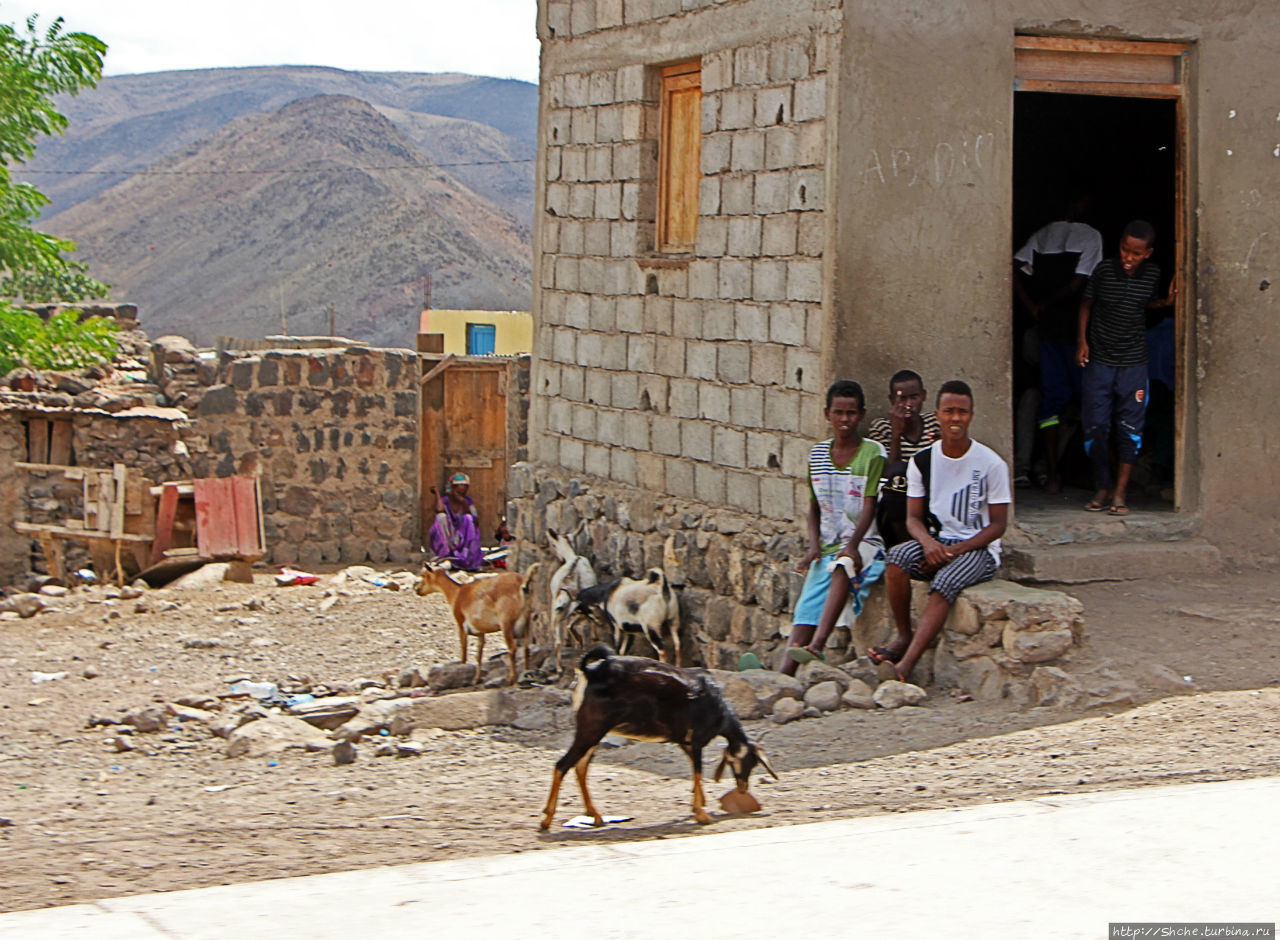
x,y
965,485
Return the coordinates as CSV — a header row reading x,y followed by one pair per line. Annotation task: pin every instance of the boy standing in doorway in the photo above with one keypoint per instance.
x,y
966,486
1112,348
844,476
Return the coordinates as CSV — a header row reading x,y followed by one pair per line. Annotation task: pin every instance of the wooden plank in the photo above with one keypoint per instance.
x,y
60,442
1095,67
53,560
164,521
1122,89
133,488
75,535
38,440
215,518
119,477
1119,46
244,498
438,368
71,473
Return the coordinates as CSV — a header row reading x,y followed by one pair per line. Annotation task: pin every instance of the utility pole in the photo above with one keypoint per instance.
x,y
284,324
331,333
426,291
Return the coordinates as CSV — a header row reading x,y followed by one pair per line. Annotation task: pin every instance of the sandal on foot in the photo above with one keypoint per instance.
x,y
1119,509
799,654
1094,505
882,654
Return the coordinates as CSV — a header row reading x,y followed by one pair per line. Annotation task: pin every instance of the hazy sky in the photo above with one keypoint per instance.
x,y
480,37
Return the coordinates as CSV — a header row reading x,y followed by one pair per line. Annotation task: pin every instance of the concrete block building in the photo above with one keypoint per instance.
x,y
740,201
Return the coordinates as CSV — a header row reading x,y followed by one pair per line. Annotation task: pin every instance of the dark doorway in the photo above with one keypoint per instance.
x,y
1122,153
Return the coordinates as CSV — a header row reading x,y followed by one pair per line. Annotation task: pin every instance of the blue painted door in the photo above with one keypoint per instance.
x,y
481,338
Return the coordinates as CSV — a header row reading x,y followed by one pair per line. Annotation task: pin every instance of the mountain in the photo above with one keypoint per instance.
x,y
214,198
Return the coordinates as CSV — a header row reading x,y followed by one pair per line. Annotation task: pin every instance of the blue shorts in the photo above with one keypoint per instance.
x,y
813,596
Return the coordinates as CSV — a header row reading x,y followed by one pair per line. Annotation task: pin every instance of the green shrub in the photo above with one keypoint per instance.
x,y
64,341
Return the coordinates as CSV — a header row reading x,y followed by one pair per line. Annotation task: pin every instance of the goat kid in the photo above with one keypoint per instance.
x,y
651,701
574,574
627,606
488,604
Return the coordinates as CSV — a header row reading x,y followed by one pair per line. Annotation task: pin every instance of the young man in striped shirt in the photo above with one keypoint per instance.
x,y
1112,348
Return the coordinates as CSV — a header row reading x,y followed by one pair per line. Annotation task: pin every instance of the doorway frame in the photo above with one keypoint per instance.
x,y
1138,69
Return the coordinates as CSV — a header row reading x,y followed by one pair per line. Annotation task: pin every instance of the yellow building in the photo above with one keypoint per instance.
x,y
480,332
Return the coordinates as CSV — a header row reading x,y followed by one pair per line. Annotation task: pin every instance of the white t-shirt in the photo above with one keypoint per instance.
x,y
962,490
1058,238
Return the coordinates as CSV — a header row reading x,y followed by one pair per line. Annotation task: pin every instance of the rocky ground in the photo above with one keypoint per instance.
x,y
94,808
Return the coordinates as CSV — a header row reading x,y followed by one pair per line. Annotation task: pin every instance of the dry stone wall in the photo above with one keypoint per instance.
x,y
333,436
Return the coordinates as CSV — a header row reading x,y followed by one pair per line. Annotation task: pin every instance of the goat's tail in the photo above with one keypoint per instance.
x,y
528,577
595,662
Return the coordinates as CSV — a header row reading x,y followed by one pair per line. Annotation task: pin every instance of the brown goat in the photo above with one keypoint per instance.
x,y
489,604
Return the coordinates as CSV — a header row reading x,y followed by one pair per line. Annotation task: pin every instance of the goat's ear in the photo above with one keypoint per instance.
x,y
764,762
724,762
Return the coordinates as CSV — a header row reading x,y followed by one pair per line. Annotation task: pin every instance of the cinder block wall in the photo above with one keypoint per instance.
x,y
693,381
333,434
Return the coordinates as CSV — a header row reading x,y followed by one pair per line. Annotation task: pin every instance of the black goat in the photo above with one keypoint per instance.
x,y
652,701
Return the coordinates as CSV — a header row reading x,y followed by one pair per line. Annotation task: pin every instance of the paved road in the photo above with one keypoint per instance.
x,y
1057,867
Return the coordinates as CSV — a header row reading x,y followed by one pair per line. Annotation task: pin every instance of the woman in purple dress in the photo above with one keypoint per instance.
x,y
455,535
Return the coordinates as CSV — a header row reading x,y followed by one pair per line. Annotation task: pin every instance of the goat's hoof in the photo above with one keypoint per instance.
x,y
701,818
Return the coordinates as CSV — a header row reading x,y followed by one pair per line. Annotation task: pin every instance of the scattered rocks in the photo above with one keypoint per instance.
x,y
411,678
54,590
198,643
151,718
816,672
895,694
1162,678
274,734
24,605
858,695
787,709
452,676
344,752
825,696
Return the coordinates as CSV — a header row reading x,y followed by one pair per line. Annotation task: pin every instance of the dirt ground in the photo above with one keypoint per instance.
x,y
79,820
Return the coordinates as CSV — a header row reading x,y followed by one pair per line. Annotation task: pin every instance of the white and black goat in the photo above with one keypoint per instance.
x,y
651,701
574,574
627,606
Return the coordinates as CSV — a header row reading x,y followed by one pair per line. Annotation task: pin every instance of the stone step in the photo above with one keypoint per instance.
x,y
1058,526
1081,562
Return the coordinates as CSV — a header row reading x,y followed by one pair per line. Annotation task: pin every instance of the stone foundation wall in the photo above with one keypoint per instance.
x,y
333,436
734,570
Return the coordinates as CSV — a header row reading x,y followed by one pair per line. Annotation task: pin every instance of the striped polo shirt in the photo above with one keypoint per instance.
x,y
1117,332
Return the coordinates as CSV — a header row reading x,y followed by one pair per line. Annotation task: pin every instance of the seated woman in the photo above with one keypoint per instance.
x,y
455,535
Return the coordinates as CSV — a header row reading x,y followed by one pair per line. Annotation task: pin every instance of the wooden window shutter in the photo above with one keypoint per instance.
x,y
679,157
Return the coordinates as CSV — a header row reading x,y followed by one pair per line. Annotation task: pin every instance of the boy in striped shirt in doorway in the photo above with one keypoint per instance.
x,y
1112,348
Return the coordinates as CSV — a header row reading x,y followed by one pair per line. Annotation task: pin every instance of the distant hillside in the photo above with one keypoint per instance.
x,y
270,186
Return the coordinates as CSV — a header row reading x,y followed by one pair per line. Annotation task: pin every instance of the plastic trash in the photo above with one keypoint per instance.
x,y
588,822
299,699
87,575
289,576
259,690
38,677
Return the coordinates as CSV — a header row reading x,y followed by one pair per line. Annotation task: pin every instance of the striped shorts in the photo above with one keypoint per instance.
x,y
969,569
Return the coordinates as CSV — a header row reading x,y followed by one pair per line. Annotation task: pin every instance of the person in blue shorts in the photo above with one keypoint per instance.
x,y
845,553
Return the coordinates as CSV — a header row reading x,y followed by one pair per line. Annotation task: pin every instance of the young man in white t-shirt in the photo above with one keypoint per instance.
x,y
966,487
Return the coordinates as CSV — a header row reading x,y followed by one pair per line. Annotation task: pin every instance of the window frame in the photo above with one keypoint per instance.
x,y
679,157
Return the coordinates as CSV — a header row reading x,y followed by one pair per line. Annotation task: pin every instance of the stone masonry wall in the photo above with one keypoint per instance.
x,y
695,376
734,570
333,435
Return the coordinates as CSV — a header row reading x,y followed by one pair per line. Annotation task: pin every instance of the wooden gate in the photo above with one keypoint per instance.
x,y
464,428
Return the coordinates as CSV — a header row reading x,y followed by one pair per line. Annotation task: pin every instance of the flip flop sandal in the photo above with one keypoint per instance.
x,y
1094,506
749,661
799,654
882,654
1118,511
